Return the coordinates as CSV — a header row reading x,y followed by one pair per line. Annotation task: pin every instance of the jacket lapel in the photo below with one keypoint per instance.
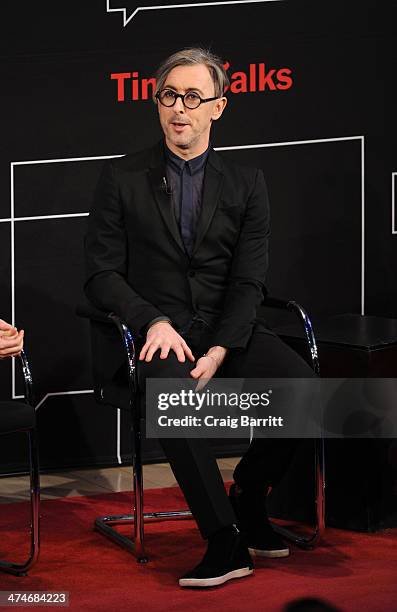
x,y
163,200
213,181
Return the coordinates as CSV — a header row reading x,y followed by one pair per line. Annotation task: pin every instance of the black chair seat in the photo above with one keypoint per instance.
x,y
16,416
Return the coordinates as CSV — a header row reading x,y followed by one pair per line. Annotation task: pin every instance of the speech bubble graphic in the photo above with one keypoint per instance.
x,y
130,8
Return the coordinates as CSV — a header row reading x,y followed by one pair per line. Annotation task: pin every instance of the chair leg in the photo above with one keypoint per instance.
x,y
137,468
106,524
21,569
311,541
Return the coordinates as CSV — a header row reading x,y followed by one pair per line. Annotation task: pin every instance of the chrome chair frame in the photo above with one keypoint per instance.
x,y
21,569
136,544
106,524
310,541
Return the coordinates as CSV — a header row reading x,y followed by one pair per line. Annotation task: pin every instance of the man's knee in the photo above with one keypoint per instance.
x,y
164,368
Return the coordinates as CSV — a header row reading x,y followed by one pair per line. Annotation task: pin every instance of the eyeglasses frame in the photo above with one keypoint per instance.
x,y
182,96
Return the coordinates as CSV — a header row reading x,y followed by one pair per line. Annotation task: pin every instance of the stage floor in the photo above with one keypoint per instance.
x,y
69,483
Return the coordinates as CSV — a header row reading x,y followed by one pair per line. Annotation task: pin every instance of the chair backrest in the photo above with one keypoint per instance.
x,y
109,367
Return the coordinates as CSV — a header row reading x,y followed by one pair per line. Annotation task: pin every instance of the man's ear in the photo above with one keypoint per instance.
x,y
219,107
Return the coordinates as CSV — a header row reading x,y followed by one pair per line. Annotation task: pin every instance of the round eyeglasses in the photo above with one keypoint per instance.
x,y
191,99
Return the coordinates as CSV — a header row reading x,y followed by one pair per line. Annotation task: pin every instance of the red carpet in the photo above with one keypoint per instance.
x,y
352,571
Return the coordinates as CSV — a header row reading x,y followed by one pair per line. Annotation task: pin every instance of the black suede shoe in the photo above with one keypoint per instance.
x,y
227,557
261,539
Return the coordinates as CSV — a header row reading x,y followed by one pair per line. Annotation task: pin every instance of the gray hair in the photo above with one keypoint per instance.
x,y
190,57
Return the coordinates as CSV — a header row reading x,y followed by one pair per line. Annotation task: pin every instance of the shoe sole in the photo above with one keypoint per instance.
x,y
218,580
269,554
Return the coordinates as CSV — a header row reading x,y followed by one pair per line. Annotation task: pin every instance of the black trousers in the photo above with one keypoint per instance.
x,y
192,459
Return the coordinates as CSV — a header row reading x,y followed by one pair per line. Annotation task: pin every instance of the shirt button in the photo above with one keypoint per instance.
x,y
192,273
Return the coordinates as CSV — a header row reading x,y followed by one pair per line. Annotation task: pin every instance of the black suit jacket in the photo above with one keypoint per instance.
x,y
136,263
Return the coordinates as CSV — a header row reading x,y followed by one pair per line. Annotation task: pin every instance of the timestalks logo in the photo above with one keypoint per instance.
x,y
130,87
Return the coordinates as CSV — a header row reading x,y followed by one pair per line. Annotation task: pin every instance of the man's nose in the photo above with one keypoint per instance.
x,y
178,106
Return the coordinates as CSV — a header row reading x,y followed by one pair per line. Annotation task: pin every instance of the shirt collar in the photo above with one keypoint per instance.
x,y
193,165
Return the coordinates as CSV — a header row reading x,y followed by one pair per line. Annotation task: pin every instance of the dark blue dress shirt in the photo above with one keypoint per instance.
x,y
185,184
185,181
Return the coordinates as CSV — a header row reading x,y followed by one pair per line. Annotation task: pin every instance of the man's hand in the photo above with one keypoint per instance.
x,y
208,364
163,336
11,340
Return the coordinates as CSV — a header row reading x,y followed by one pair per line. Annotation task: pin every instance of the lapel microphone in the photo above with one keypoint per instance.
x,y
164,186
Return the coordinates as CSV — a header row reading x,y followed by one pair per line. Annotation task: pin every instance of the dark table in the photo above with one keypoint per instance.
x,y
361,474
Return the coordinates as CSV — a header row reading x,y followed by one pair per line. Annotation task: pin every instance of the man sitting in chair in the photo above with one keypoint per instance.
x,y
11,340
177,246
